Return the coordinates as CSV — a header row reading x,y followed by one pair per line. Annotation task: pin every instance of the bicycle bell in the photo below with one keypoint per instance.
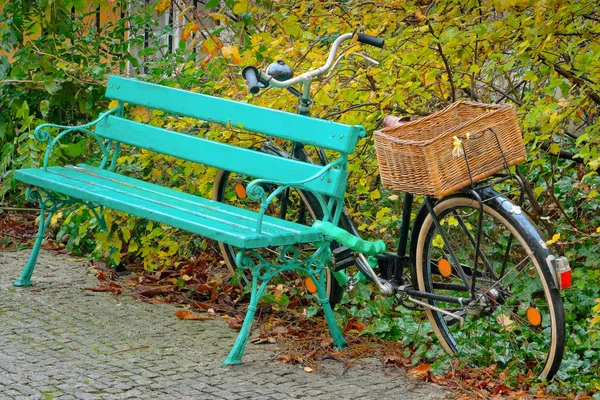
x,y
280,71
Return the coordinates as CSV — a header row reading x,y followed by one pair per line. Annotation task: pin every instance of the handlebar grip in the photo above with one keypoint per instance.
x,y
250,74
349,240
372,40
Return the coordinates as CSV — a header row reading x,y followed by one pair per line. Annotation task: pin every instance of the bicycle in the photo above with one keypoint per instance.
x,y
475,262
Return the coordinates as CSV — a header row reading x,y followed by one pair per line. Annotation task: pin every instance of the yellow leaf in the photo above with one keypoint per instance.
x,y
141,114
240,7
161,6
157,173
116,257
452,221
554,148
133,247
182,13
210,47
188,29
113,104
555,237
562,102
230,52
220,17
506,322
126,233
56,216
375,195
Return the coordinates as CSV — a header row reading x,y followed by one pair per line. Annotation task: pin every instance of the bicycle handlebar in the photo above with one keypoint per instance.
x,y
372,40
307,76
250,74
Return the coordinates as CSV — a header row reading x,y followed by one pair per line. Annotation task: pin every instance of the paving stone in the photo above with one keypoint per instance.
x,y
61,341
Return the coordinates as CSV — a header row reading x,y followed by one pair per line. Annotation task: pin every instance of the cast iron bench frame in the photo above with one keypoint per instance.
x,y
55,187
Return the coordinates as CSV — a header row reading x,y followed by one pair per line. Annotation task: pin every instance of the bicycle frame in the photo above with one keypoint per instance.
x,y
400,259
475,295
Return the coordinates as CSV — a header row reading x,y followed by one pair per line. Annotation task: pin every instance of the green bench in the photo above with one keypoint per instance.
x,y
54,187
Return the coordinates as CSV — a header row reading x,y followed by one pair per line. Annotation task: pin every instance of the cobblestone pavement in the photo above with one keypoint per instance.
x,y
58,341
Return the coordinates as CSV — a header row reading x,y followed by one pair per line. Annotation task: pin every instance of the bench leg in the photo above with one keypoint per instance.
x,y
25,277
336,334
235,355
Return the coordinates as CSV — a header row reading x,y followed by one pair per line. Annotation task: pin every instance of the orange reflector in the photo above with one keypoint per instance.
x,y
240,191
310,285
444,267
534,316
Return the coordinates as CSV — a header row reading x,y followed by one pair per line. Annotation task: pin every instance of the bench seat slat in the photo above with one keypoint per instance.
x,y
219,155
315,131
211,219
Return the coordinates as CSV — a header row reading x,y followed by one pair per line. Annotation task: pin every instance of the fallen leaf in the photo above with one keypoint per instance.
x,y
500,389
207,288
354,325
110,287
280,330
185,314
235,323
420,372
520,393
398,361
308,369
152,291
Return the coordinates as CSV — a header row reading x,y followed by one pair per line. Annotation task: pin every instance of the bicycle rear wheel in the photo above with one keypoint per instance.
x,y
300,207
517,321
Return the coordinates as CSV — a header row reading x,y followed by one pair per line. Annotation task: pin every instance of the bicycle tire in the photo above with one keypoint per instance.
x,y
334,290
505,333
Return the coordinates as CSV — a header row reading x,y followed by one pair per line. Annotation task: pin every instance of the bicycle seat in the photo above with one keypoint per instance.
x,y
392,120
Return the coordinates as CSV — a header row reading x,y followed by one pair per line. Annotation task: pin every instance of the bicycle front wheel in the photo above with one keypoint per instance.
x,y
294,205
517,321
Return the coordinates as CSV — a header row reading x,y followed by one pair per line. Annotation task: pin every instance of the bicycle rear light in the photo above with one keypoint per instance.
x,y
563,272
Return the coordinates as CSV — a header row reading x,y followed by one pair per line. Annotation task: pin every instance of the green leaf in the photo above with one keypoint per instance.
x,y
44,107
74,149
51,85
211,4
530,76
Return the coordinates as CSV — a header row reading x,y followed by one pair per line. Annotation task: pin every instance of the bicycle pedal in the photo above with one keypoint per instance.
x,y
343,257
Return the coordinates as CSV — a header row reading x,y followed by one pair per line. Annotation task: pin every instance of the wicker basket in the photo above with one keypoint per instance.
x,y
446,151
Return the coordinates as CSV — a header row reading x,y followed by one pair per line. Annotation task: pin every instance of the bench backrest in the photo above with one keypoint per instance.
x,y
326,134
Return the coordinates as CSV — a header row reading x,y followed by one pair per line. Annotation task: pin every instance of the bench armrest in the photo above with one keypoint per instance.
x,y
257,192
42,134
